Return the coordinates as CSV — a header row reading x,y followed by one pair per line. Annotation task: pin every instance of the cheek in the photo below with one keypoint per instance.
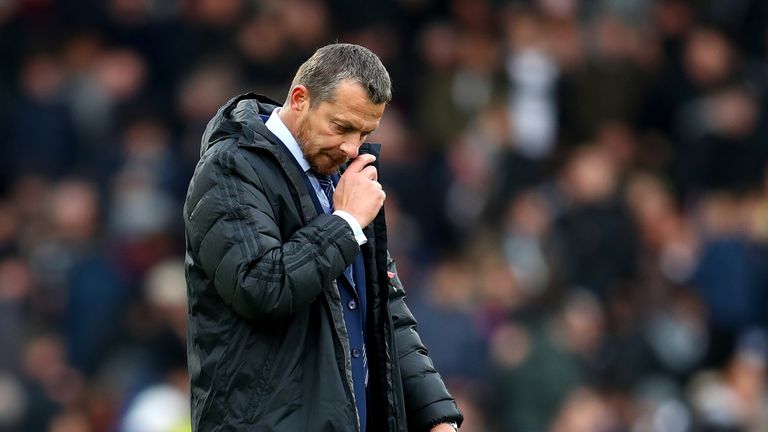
x,y
321,139
321,145
328,141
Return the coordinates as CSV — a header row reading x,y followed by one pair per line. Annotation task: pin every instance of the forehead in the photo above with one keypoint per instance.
x,y
351,103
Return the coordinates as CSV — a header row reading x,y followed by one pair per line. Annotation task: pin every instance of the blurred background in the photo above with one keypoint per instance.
x,y
577,200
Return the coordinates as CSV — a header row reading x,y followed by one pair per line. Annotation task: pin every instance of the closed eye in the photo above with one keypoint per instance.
x,y
345,128
340,128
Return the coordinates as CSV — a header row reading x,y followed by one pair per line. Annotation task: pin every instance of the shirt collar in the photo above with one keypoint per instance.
x,y
276,126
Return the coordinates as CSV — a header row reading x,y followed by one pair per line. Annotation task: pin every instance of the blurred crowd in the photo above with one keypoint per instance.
x,y
577,200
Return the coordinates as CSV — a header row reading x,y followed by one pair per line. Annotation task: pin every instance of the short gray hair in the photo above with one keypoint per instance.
x,y
332,64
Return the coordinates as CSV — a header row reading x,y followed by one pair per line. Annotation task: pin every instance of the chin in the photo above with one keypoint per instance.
x,y
326,169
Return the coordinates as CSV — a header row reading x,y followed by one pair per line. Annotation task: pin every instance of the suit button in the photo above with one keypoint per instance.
x,y
352,304
356,352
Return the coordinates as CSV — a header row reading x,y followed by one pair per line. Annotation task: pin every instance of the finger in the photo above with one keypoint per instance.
x,y
370,173
360,162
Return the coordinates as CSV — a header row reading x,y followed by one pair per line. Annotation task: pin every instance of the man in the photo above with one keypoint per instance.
x,y
297,320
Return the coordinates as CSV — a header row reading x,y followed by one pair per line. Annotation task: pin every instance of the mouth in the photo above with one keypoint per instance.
x,y
337,159
329,164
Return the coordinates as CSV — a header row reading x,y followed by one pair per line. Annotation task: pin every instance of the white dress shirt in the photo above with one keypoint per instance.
x,y
276,126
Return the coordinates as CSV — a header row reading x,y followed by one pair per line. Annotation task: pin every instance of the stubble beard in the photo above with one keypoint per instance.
x,y
314,155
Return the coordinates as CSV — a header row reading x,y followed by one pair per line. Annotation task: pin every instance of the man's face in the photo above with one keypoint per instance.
x,y
332,132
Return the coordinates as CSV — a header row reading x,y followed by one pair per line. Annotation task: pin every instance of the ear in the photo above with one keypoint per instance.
x,y
298,99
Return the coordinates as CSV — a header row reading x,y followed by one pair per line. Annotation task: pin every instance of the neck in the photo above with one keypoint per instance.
x,y
289,119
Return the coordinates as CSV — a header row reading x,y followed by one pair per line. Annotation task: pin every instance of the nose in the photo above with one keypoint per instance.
x,y
350,148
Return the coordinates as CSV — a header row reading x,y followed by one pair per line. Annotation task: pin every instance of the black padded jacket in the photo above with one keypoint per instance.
x,y
267,344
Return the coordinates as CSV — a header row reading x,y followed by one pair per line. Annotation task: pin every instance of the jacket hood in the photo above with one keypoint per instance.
x,y
240,118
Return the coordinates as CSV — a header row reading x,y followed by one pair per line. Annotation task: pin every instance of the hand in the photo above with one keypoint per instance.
x,y
358,191
442,427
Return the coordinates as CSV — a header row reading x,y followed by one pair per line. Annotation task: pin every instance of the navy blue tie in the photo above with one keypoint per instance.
x,y
326,184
